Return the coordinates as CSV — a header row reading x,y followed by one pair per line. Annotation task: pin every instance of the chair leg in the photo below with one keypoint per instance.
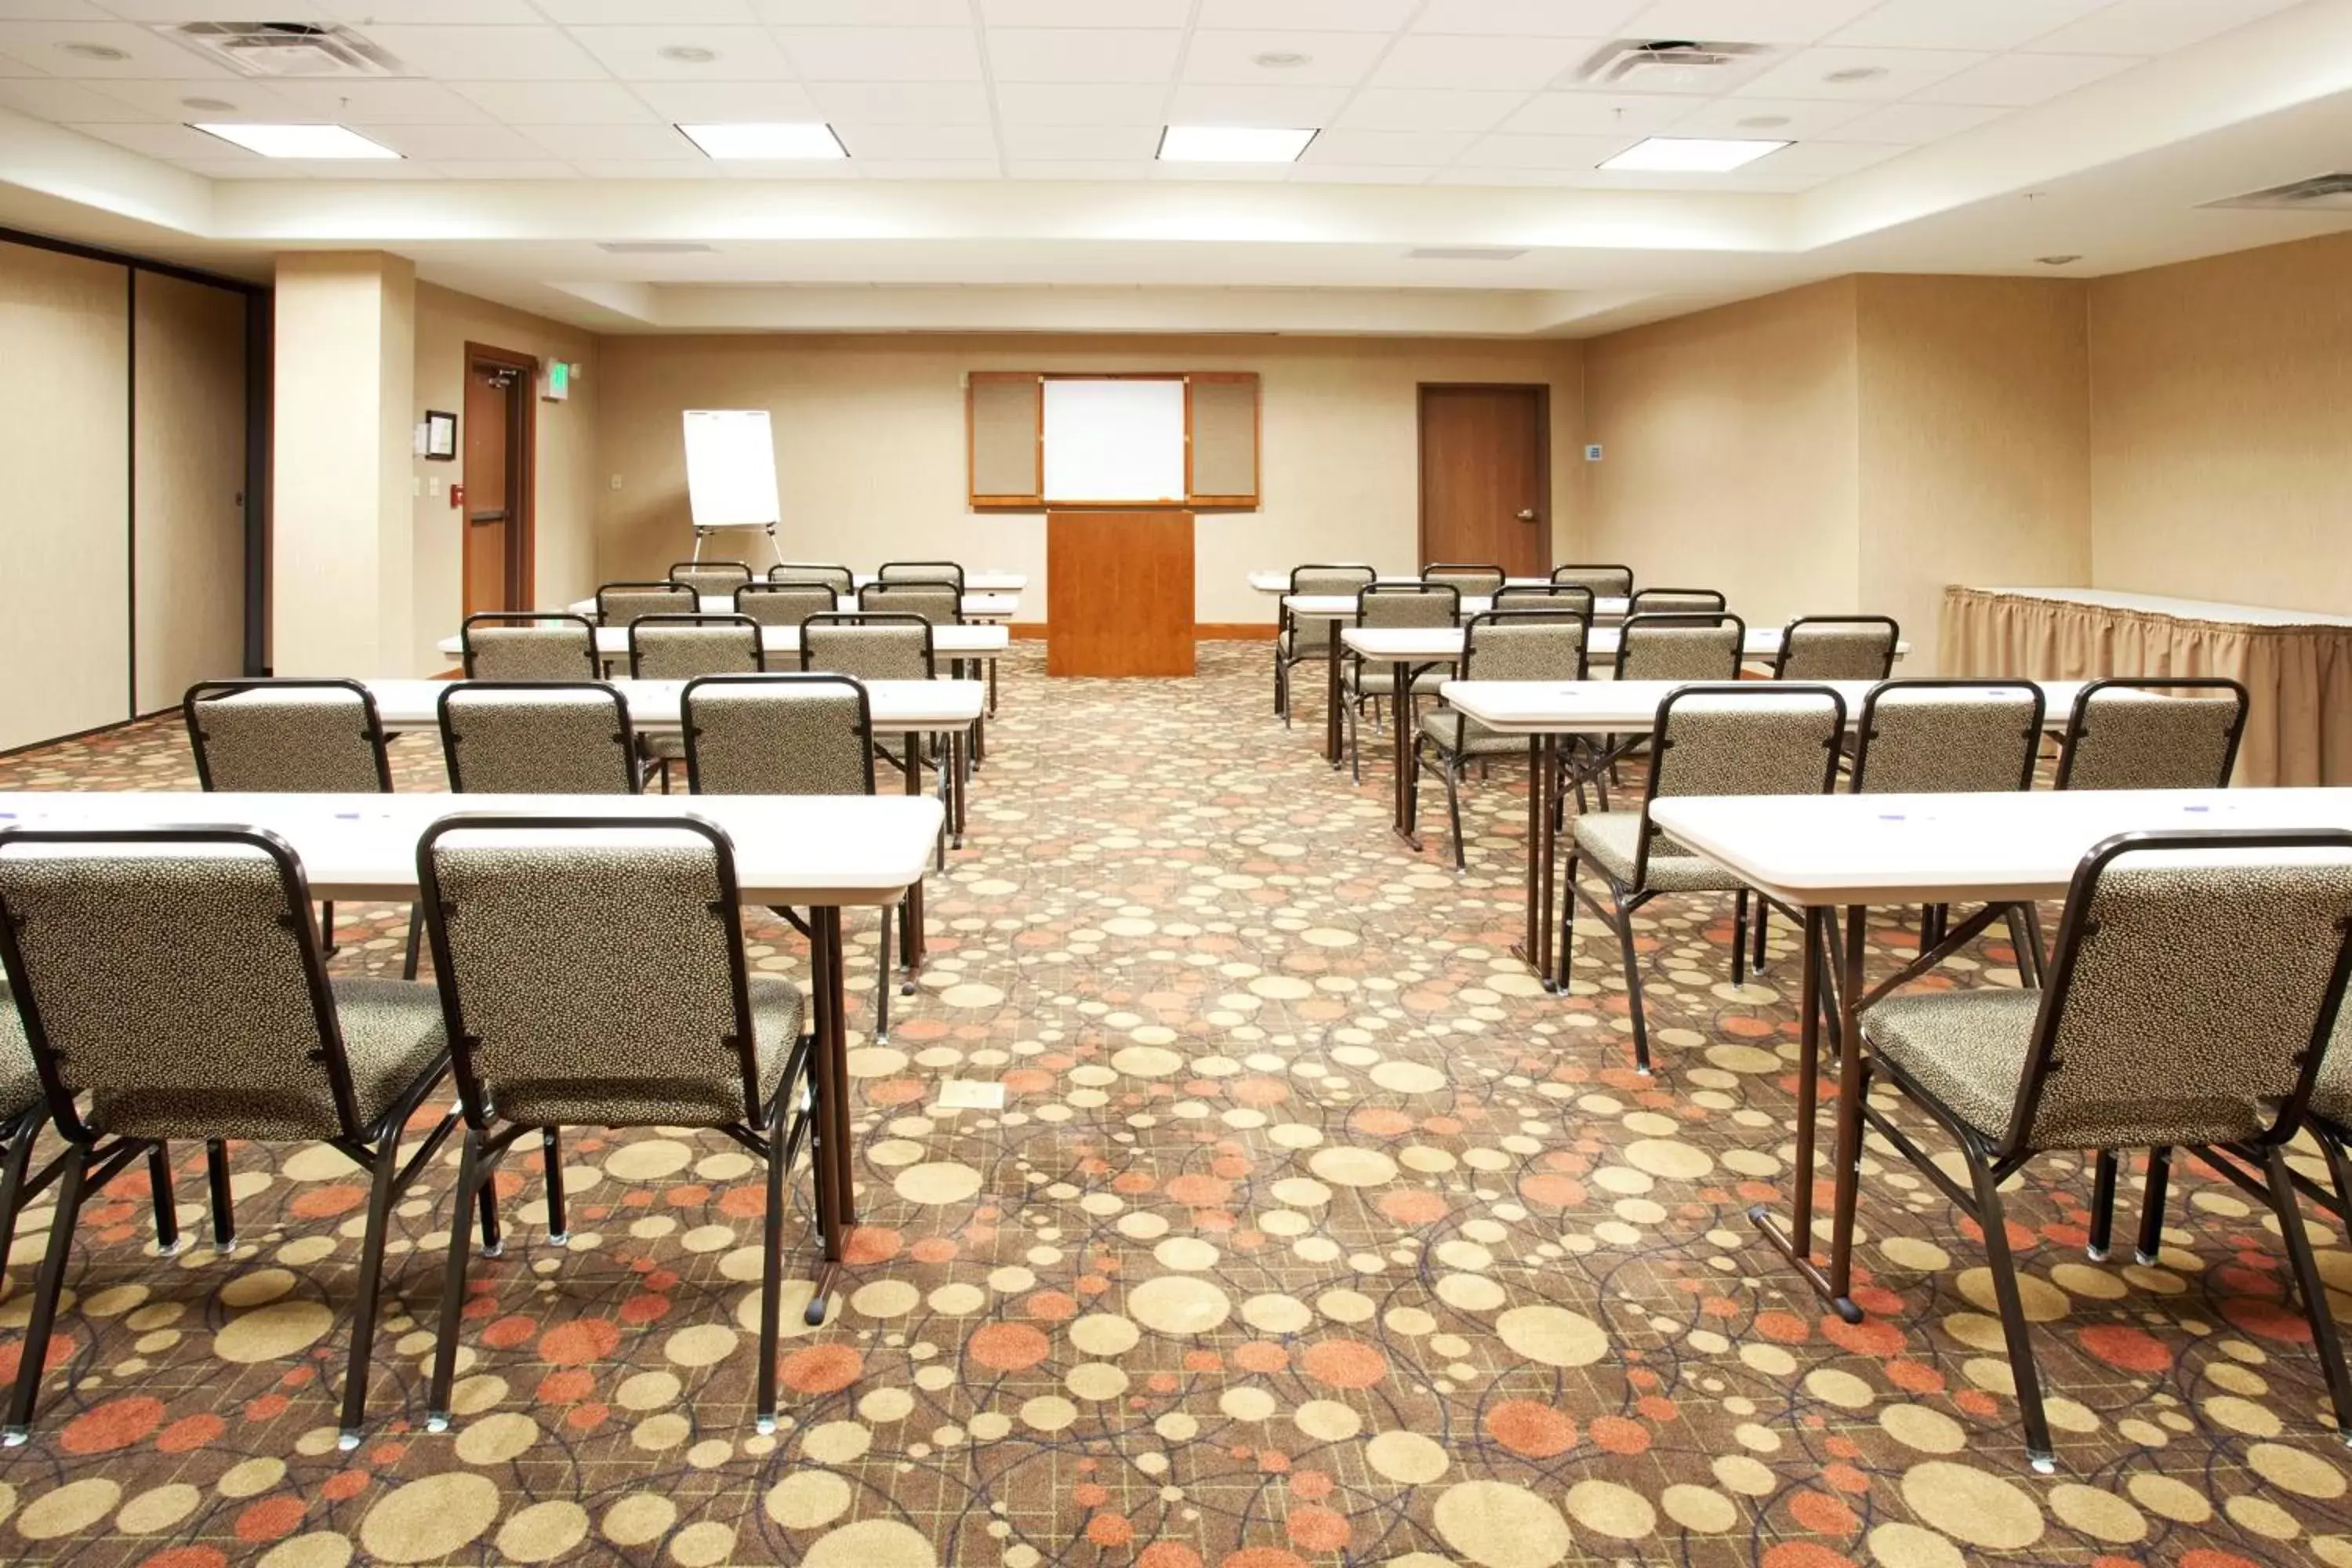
x,y
1636,1006
2313,1290
2103,1206
882,978
485,1199
910,931
551,1157
453,1286
1564,962
224,1204
16,1157
383,1183
327,948
771,1263
34,1353
2013,1326
167,1211
415,942
2032,918
1355,761
1763,926
1453,812
1739,937
2151,1213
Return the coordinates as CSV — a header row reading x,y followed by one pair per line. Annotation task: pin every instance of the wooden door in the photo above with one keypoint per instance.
x,y
1486,476
1119,593
493,531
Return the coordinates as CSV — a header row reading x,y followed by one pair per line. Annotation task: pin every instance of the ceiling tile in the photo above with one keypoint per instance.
x,y
509,169
1304,174
883,54
1505,151
160,140
41,45
903,143
1961,23
633,54
1460,175
1823,159
430,13
145,11
558,102
13,67
1528,18
2153,27
57,11
1803,118
1234,104
1086,13
1915,124
865,13
1426,109
1456,62
621,13
1047,103
614,142
1078,169
1901,73
1401,148
1596,113
719,102
1089,143
902,103
46,98
384,102
435,142
931,169
1081,55
1333,59
2013,81
1745,21
645,169
162,98
488,54
1307,15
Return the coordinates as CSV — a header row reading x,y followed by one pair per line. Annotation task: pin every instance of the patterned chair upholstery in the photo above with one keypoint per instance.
x,y
1300,638
921,572
1948,737
711,579
594,974
679,647
522,645
172,987
1681,646
1675,602
23,1111
1605,581
298,737
1546,596
1472,582
942,603
1837,648
840,579
1517,644
514,738
620,604
1404,605
2198,981
868,647
2127,733
1744,738
784,604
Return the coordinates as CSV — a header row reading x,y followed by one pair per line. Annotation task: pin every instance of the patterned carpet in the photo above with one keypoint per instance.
x,y
1314,1234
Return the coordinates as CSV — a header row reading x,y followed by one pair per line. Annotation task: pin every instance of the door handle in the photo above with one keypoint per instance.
x,y
1527,515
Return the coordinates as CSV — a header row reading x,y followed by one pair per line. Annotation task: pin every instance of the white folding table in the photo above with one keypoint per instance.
x,y
825,852
1824,853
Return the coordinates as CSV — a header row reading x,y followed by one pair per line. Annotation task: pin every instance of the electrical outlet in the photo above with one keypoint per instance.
x,y
616,481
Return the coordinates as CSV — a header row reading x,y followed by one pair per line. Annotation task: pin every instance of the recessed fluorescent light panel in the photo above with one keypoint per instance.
x,y
1691,155
1231,144
299,141
814,139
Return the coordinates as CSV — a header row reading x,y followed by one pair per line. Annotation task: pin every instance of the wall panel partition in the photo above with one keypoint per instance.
x,y
189,507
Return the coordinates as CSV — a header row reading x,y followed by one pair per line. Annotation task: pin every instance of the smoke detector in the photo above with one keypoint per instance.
x,y
2321,192
303,50
1645,63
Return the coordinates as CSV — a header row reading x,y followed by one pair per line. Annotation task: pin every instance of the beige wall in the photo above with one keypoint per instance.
x,y
190,432
566,462
870,446
2221,428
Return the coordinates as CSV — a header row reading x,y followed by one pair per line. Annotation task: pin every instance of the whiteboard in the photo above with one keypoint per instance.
x,y
1114,440
731,468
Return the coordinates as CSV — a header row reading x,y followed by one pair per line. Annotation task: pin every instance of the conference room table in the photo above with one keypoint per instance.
x,y
1547,711
1824,853
824,853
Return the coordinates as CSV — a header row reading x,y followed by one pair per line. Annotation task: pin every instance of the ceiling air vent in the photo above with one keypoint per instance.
x,y
651,247
1639,63
2321,192
285,51
1462,253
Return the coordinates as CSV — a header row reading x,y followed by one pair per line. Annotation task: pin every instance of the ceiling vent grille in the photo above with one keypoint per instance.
x,y
285,51
2321,192
1462,253
653,248
1637,63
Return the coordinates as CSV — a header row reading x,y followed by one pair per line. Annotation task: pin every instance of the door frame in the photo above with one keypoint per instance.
x,y
1542,389
522,477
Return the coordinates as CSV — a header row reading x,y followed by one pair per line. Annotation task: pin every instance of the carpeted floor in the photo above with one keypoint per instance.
x,y
1314,1234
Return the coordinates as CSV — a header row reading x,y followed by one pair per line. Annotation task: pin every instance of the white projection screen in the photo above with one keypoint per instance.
x,y
1114,440
731,468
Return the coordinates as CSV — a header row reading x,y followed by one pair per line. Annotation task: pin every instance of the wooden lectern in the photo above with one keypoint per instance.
x,y
1119,593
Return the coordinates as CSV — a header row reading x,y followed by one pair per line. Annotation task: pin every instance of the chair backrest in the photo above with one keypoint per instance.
x,y
620,604
840,579
940,604
174,977
287,736
1349,580
1948,737
716,578
679,647
1408,605
1472,582
1546,596
2124,733
921,572
778,734
784,604
1680,648
505,737
528,645
1837,648
2196,980
1607,582
1675,601
868,647
1741,738
591,969
1524,644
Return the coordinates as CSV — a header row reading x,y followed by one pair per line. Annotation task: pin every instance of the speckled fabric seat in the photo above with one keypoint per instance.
x,y
1612,841
20,1081
1966,1048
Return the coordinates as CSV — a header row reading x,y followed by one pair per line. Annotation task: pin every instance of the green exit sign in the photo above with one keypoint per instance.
x,y
558,381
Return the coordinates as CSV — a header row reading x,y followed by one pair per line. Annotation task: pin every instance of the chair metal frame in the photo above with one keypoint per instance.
x,y
1789,634
595,664
91,1161
1286,631
624,735
674,590
2081,712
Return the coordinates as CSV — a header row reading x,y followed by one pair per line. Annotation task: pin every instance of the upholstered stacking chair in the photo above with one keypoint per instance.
x,y
2133,732
1607,582
530,644
1573,597
1472,582
1502,644
1680,646
711,579
679,647
2196,984
940,604
1837,648
1301,639
840,579
1741,738
620,604
921,572
503,737
172,987
790,735
785,603
293,736
868,647
643,1013
1675,602
1363,682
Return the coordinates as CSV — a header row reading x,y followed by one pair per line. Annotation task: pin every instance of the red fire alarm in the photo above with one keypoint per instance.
x,y
456,496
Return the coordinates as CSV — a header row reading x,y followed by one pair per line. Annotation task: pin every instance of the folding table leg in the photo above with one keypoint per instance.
x,y
829,1060
1796,1243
